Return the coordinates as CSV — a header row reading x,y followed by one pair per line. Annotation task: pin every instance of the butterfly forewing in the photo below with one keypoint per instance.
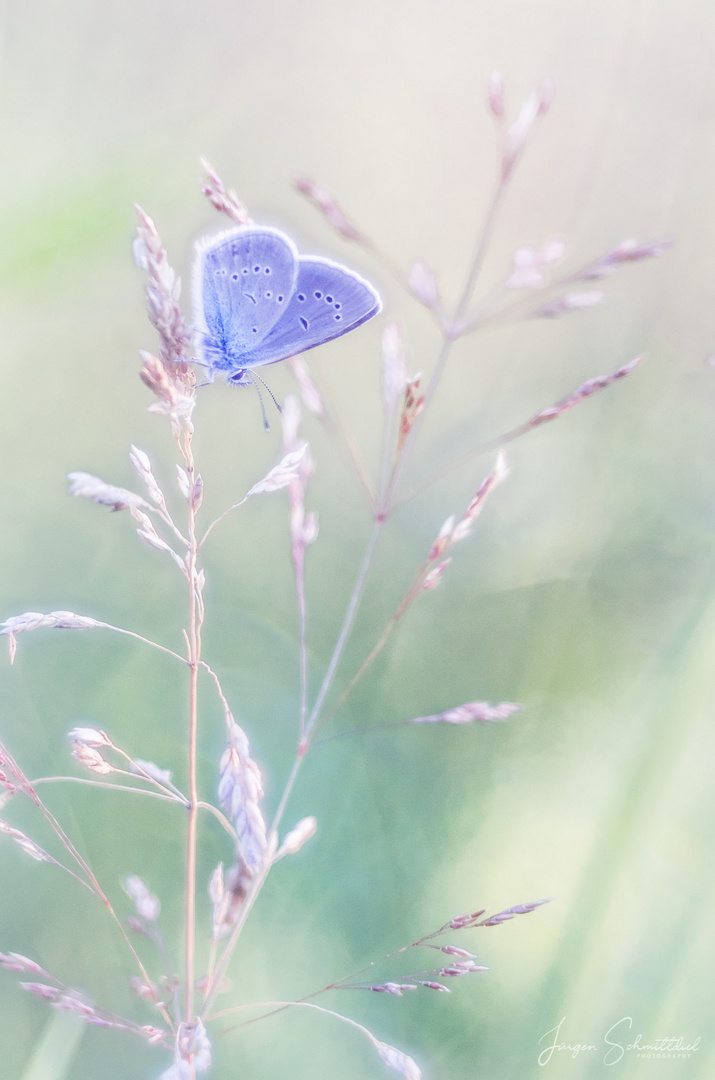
x,y
328,300
246,279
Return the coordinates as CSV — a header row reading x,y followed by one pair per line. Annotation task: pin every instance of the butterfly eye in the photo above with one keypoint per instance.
x,y
301,296
318,295
328,299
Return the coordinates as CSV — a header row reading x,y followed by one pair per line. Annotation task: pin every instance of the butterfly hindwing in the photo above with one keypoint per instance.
x,y
244,281
328,300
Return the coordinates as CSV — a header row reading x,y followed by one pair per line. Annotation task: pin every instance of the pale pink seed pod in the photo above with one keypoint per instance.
x,y
298,836
423,284
496,94
399,1061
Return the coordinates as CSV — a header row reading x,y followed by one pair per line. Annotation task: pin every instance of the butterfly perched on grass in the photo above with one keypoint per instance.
x,y
257,301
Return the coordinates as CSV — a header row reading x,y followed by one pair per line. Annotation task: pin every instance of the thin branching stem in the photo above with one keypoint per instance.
x,y
144,640
219,519
279,1006
223,821
26,788
109,786
194,660
299,565
350,614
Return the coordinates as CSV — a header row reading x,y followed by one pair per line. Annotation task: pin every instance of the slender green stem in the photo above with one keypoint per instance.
x,y
145,641
347,625
108,785
194,660
302,639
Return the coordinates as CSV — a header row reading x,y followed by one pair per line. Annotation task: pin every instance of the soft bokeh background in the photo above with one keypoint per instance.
x,y
586,592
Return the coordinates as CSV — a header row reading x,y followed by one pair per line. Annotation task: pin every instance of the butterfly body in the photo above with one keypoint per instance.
x,y
257,301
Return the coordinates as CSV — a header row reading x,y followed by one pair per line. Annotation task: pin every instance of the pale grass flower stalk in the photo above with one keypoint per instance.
x,y
303,532
529,288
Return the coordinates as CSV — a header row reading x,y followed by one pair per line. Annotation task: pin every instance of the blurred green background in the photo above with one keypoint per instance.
x,y
586,593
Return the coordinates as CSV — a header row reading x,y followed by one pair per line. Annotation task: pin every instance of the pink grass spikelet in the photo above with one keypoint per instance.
x,y
41,990
393,988
628,251
90,758
225,201
399,1061
431,985
570,302
28,846
393,366
174,400
467,968
86,486
142,467
70,1003
183,482
227,893
530,266
496,94
434,577
283,474
153,1035
423,284
162,776
297,837
452,950
217,890
309,393
470,713
411,407
327,205
546,96
599,382
196,496
303,527
193,1046
453,531
146,904
54,620
443,539
512,912
146,991
240,791
90,737
162,296
18,962
518,131
460,921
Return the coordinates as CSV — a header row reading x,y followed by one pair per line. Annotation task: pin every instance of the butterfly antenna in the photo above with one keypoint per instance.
x,y
255,376
266,425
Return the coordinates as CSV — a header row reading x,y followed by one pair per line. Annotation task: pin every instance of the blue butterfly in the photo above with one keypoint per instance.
x,y
257,301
